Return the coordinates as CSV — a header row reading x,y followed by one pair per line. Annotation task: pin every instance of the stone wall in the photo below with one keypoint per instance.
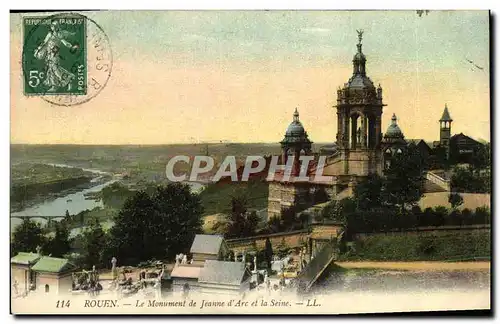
x,y
431,230
292,239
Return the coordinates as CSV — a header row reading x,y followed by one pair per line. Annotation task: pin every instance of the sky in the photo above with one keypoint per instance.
x,y
237,76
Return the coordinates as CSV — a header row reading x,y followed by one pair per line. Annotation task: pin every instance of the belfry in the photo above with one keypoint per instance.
x,y
359,114
356,153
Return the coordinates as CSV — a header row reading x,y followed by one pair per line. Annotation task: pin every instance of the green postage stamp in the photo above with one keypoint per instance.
x,y
55,55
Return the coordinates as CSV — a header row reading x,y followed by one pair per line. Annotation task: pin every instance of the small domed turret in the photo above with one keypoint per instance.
x,y
393,131
295,132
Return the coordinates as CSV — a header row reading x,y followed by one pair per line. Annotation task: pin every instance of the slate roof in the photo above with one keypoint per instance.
x,y
206,244
54,265
26,258
416,141
222,272
462,135
184,271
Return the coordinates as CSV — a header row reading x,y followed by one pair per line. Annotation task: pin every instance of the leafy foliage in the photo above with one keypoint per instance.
x,y
368,192
289,220
158,225
268,253
455,199
95,243
469,180
115,195
27,237
60,244
403,184
424,246
239,222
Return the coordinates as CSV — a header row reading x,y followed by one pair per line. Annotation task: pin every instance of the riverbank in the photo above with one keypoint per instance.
x,y
417,265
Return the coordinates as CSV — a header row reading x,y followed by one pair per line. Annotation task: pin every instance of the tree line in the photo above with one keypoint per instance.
x,y
156,226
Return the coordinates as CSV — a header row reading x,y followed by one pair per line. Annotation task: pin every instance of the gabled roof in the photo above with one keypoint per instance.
x,y
417,141
26,258
206,244
222,272
468,138
53,265
446,115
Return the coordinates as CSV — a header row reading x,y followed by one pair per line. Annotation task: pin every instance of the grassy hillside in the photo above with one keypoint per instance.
x,y
216,198
464,246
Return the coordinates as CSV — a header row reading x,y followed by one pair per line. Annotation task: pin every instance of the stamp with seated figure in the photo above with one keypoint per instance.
x,y
66,58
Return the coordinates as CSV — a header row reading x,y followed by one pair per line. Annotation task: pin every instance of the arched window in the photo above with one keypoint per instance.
x,y
46,288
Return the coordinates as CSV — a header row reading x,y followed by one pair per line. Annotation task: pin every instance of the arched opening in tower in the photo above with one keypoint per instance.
x,y
355,131
371,131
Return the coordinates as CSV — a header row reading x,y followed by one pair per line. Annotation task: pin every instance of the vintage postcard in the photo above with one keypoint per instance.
x,y
250,162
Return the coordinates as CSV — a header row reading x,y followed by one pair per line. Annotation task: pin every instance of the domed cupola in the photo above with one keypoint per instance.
x,y
296,138
295,132
359,80
393,131
393,143
359,89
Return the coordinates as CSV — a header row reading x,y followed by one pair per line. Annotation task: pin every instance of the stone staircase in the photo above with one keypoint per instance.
x,y
430,187
435,183
308,276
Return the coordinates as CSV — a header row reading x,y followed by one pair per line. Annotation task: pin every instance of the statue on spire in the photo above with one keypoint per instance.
x,y
360,35
296,115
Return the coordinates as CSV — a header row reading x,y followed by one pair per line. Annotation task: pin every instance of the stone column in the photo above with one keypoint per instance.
x,y
346,120
340,127
354,129
363,131
378,127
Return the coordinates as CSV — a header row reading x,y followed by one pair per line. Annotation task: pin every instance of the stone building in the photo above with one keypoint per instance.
x,y
356,153
224,277
458,148
283,193
53,275
22,274
209,270
393,142
359,122
208,247
41,274
463,148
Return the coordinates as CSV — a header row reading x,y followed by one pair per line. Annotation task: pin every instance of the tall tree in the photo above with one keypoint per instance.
x,y
367,193
268,253
27,236
455,199
156,226
129,231
403,185
94,244
239,222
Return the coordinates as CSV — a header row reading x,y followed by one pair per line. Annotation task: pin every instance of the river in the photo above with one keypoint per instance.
x,y
74,202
